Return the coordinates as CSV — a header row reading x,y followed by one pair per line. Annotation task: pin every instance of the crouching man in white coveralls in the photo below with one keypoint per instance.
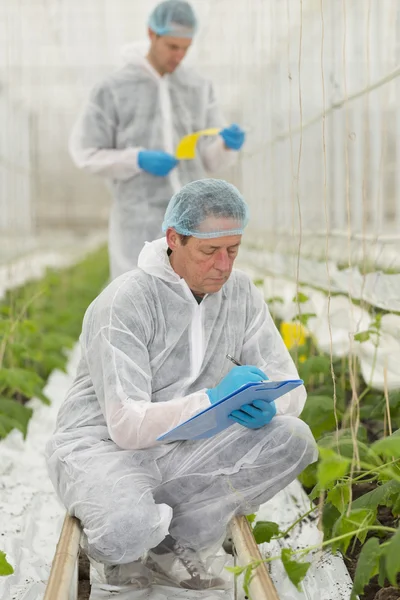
x,y
154,346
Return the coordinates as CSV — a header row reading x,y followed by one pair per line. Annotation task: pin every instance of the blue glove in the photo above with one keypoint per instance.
x,y
233,137
156,163
254,415
236,377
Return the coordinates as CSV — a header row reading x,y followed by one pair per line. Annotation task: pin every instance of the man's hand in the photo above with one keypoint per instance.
x,y
235,379
254,415
156,163
233,137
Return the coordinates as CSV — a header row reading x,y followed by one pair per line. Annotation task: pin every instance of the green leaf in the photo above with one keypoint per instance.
x,y
295,570
343,443
251,518
389,446
308,478
382,571
276,299
330,516
363,336
367,566
300,298
315,365
394,399
319,414
392,558
26,382
331,467
385,495
315,492
396,506
303,318
236,570
43,398
5,567
13,416
352,525
339,496
264,531
247,579
258,282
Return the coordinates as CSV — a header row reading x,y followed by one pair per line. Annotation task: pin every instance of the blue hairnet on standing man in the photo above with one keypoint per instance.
x,y
154,346
132,124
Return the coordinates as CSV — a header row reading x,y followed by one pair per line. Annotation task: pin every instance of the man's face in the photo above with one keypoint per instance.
x,y
205,264
166,53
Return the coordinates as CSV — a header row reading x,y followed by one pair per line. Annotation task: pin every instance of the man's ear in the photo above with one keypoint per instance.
x,y
152,35
173,239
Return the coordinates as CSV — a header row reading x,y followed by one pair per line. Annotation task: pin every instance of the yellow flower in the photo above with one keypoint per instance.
x,y
293,334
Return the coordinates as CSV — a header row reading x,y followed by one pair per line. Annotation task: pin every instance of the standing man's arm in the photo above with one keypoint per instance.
x,y
222,152
92,143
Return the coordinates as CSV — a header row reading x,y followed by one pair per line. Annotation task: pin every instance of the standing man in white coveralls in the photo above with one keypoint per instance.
x,y
154,346
131,126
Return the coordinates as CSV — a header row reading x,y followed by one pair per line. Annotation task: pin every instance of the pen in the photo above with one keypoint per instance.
x,y
238,364
232,359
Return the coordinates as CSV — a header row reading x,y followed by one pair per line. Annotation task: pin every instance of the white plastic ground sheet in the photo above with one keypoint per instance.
x,y
31,518
376,288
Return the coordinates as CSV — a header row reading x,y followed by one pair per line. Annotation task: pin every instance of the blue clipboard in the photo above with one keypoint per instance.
x,y
214,418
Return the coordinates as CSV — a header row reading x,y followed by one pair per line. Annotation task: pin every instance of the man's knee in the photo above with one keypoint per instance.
x,y
124,535
297,440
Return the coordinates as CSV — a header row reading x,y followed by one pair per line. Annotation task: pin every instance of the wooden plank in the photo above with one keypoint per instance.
x,y
65,561
261,586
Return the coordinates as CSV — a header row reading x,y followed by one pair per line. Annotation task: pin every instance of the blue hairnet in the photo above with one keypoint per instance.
x,y
175,18
201,209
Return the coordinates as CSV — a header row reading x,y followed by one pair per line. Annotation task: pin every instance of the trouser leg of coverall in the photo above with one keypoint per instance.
x,y
110,492
203,502
125,499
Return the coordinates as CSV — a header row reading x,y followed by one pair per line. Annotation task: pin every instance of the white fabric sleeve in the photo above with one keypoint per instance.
x,y
93,140
214,154
264,347
119,368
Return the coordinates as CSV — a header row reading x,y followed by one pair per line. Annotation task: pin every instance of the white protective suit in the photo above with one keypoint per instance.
x,y
137,109
149,352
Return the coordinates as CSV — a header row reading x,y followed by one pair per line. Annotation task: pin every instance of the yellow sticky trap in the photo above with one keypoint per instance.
x,y
186,149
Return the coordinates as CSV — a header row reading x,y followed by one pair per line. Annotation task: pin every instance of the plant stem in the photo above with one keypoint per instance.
x,y
344,536
373,470
284,533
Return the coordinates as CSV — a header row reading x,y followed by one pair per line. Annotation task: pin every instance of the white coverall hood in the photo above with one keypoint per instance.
x,y
134,53
154,260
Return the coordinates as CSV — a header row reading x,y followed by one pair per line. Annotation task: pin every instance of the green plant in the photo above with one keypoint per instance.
x,y
39,323
345,521
355,486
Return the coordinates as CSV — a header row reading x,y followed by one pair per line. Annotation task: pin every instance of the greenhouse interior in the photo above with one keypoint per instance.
x,y
108,109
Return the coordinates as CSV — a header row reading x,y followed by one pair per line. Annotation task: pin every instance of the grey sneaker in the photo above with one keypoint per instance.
x,y
134,573
182,567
